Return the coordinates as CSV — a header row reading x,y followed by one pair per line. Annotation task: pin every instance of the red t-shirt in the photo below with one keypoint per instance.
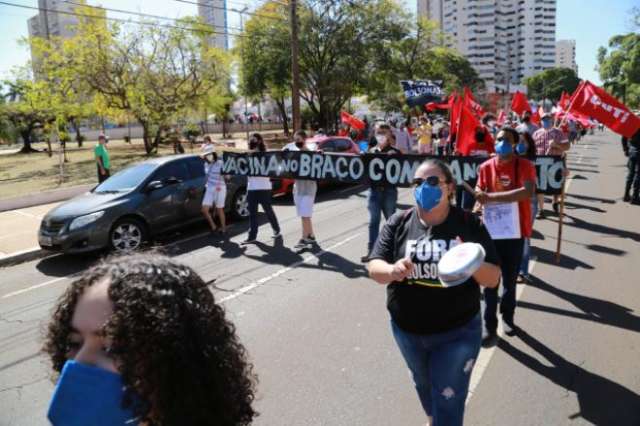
x,y
499,177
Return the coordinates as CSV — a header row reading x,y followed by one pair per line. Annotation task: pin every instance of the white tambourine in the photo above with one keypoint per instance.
x,y
460,263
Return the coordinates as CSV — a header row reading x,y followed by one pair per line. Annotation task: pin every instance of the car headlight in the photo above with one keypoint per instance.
x,y
81,221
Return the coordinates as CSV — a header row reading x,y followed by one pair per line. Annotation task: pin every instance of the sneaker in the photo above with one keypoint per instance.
x,y
510,329
626,198
489,338
364,259
541,215
556,207
302,244
248,241
277,235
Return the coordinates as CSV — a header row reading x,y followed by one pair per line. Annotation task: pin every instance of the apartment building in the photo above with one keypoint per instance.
x,y
214,13
505,40
566,54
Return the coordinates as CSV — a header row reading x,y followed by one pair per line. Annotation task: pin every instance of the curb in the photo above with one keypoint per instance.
x,y
23,256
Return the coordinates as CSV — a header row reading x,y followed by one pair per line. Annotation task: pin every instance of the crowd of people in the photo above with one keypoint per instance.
x,y
140,338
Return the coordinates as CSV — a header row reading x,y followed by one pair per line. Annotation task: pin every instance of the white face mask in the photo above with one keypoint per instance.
x,y
381,139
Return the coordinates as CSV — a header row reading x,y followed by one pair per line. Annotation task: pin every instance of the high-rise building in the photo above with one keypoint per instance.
x,y
566,54
505,40
214,14
54,19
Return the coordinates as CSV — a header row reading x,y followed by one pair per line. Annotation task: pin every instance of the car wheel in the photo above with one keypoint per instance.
x,y
240,204
127,235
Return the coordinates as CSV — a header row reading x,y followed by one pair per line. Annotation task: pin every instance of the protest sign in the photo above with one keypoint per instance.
x,y
395,170
421,92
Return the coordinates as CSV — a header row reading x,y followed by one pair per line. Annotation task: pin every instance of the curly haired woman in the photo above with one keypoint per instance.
x,y
140,340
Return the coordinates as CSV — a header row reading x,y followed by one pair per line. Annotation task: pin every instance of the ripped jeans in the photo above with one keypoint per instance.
x,y
441,365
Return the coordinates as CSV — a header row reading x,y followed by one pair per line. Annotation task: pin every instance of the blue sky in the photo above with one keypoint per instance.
x,y
590,22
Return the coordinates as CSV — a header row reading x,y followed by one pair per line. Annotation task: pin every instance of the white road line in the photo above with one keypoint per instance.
x,y
33,216
34,287
282,271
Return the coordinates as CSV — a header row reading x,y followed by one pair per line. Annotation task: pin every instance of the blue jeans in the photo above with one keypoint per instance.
x,y
263,198
441,365
526,249
379,201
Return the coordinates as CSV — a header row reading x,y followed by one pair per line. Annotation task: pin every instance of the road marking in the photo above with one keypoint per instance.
x,y
34,287
284,270
33,216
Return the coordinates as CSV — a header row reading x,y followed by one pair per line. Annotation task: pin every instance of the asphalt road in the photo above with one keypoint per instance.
x,y
318,332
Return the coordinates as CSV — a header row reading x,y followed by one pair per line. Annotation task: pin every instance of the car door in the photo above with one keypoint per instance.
x,y
194,186
164,207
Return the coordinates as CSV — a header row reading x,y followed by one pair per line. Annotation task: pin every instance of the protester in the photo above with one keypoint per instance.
x,y
424,133
573,131
215,193
207,144
437,329
631,149
490,123
304,194
510,180
382,197
526,124
549,140
402,138
526,148
140,340
102,159
482,146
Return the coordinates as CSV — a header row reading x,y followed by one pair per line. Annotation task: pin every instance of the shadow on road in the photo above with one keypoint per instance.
x,y
596,310
601,401
599,229
593,199
549,257
575,206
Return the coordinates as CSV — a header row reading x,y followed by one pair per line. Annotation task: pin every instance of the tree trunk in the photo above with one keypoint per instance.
x,y
49,147
283,115
156,139
76,127
146,137
26,140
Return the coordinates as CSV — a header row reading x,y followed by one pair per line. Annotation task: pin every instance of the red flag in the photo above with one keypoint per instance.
x,y
535,117
593,101
351,121
502,117
456,103
520,103
470,101
466,130
431,106
564,100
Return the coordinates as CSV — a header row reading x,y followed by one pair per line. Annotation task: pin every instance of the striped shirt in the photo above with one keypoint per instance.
x,y
544,137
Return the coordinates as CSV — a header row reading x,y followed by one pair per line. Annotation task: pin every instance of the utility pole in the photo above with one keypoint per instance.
x,y
295,69
246,124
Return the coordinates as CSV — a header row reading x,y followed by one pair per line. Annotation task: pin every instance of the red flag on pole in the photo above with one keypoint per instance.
x,y
431,106
564,100
520,103
456,103
470,101
466,130
593,101
351,121
502,117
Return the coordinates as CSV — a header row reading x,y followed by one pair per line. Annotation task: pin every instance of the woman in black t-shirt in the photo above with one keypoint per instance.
x,y
437,329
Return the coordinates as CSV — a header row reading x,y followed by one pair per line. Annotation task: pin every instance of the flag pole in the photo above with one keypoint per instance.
x,y
560,220
573,99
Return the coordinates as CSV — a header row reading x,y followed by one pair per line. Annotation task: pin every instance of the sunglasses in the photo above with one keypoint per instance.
x,y
431,180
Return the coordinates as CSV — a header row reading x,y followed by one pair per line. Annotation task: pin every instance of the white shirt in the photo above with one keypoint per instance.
x,y
257,183
214,178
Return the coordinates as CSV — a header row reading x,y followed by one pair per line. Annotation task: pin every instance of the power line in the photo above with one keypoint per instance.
x,y
145,15
210,6
105,18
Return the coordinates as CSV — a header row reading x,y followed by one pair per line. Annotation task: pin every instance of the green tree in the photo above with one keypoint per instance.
x,y
265,58
550,83
155,74
619,67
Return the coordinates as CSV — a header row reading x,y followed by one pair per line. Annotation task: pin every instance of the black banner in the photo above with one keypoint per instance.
x,y
396,170
421,92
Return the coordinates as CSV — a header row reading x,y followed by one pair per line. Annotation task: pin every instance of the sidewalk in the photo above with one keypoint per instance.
x,y
19,229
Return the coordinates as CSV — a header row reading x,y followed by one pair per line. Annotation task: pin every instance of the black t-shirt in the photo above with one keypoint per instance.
x,y
420,304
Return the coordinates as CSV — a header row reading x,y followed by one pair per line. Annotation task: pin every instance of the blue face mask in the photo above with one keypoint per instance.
x,y
521,148
86,395
427,196
546,124
504,148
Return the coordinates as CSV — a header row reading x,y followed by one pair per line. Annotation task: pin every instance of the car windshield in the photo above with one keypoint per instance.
x,y
127,179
